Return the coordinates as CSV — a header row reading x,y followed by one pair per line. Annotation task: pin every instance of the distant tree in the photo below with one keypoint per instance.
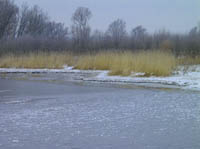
x,y
198,26
8,18
32,21
23,20
117,32
193,31
138,35
159,37
98,39
138,31
55,31
193,44
80,28
29,29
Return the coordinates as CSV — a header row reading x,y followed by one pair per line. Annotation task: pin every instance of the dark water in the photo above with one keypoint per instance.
x,y
43,115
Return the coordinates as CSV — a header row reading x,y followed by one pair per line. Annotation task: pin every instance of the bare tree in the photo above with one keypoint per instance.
x,y
32,21
117,32
138,31
138,36
55,31
98,40
193,46
159,37
30,30
80,28
8,18
198,26
23,20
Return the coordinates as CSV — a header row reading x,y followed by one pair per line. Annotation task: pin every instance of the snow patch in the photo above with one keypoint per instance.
x,y
66,69
185,77
189,79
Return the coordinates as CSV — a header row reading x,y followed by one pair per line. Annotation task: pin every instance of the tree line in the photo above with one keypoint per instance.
x,y
28,29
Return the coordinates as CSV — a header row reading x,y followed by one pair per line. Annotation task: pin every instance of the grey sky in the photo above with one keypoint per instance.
x,y
173,15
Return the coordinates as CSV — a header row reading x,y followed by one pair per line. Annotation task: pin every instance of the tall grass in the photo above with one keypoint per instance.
x,y
188,60
98,61
158,63
39,60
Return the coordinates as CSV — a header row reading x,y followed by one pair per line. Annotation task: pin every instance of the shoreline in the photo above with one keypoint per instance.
x,y
187,81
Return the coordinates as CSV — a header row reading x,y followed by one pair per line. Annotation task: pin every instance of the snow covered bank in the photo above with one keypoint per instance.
x,y
189,79
66,69
185,78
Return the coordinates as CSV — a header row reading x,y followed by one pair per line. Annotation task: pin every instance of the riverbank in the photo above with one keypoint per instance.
x,y
181,78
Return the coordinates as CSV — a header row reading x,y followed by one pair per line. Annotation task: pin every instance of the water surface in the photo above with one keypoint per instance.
x,y
50,115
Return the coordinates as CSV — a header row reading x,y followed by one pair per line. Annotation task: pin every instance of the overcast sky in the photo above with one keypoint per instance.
x,y
174,15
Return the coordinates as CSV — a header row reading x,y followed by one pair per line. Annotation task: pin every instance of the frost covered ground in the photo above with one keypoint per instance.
x,y
185,77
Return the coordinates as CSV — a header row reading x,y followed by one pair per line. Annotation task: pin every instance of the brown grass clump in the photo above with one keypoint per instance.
x,y
99,61
189,60
40,60
156,63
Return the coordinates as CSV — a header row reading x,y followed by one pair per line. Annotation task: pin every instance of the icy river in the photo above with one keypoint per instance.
x,y
46,114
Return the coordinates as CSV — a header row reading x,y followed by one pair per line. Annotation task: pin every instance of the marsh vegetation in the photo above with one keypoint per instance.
x,y
30,39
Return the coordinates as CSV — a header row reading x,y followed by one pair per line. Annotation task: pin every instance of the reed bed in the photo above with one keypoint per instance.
x,y
39,60
157,63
